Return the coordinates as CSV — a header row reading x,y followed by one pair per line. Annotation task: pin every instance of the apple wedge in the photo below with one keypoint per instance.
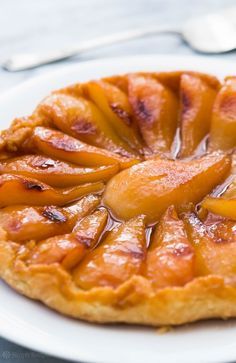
x,y
151,187
69,249
223,123
19,190
55,172
120,256
168,79
221,206
119,81
156,110
64,147
225,205
87,232
170,258
81,119
36,223
173,79
196,100
215,245
115,105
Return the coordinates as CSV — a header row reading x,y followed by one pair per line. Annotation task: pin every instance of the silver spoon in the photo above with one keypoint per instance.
x,y
213,33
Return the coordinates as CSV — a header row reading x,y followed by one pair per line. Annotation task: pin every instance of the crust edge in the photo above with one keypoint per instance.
x,y
134,302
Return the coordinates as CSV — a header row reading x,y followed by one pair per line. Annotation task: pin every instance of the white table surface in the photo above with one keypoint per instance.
x,y
38,25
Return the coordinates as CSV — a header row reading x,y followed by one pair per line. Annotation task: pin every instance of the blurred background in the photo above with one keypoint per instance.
x,y
30,25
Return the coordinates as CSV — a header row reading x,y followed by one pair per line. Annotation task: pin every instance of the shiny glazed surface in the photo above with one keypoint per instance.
x,y
143,155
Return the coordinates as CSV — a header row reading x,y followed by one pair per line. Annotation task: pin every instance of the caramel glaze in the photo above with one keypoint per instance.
x,y
174,154
176,146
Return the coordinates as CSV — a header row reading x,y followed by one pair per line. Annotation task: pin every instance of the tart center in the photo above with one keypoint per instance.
x,y
150,187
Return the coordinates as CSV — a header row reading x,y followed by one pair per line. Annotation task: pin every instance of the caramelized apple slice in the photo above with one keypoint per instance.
x,y
87,232
115,105
197,99
119,257
223,123
150,187
16,189
215,245
156,109
57,144
222,206
75,90
26,223
55,172
173,79
225,205
230,190
119,81
69,249
80,118
168,79
170,259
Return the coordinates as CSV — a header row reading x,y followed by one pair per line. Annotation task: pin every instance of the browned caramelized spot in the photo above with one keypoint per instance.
x,y
84,240
185,101
83,127
143,112
228,106
54,215
33,186
65,145
15,225
121,113
139,255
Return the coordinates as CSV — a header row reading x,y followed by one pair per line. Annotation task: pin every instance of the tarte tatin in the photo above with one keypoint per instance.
x,y
118,199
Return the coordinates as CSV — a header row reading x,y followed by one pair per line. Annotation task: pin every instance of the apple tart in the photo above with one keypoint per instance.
x,y
118,199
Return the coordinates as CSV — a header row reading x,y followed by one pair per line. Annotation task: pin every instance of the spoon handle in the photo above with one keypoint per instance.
x,y
24,61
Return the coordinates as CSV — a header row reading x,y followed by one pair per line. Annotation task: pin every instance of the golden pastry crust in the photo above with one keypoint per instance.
x,y
135,301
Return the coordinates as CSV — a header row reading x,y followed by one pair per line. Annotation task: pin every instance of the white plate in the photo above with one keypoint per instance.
x,y
34,326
